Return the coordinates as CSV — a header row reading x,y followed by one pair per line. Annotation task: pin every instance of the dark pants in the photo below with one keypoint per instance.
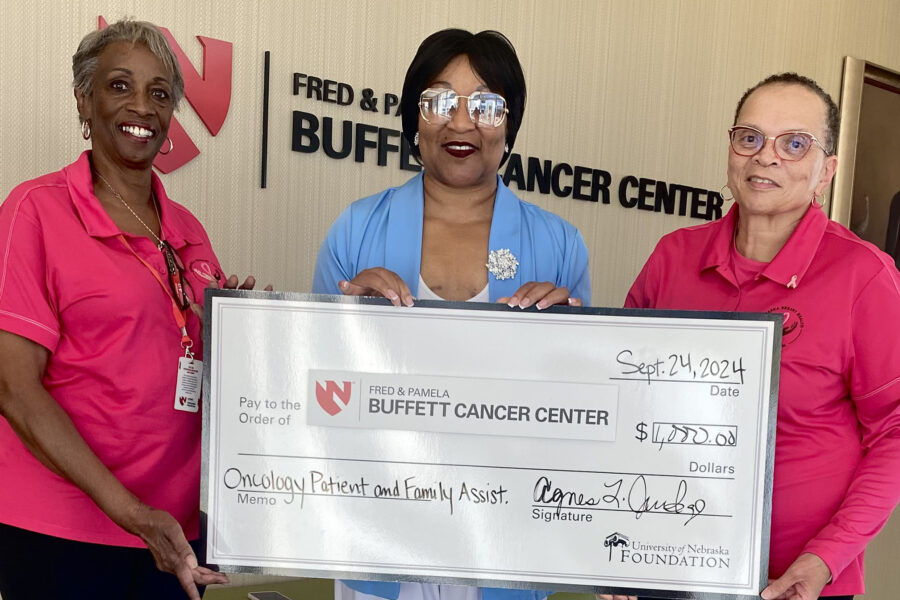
x,y
41,567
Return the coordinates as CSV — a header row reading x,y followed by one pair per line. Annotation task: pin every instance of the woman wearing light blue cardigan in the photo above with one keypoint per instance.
x,y
455,231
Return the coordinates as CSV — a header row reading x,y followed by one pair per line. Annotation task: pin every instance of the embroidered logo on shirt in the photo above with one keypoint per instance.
x,y
791,323
206,271
325,396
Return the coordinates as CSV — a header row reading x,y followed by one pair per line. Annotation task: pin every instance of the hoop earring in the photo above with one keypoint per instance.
x,y
171,147
815,200
86,129
416,139
722,193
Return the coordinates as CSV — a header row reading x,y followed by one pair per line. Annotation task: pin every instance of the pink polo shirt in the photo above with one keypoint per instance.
x,y
837,448
69,283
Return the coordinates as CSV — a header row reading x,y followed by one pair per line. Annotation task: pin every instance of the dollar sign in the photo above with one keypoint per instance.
x,y
641,431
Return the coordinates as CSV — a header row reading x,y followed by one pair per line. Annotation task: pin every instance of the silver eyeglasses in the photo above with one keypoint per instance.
x,y
485,109
791,145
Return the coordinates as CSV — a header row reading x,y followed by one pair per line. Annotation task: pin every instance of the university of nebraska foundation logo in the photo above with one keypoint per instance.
x,y
325,396
613,540
209,95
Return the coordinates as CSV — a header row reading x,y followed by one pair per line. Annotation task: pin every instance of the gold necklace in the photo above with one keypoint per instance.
x,y
159,243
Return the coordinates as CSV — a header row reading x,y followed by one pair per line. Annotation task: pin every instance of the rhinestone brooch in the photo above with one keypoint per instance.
x,y
502,264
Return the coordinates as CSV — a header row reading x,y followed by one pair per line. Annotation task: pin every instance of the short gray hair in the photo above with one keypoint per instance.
x,y
832,113
84,61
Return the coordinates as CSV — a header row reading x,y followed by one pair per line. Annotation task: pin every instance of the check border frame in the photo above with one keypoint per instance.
x,y
603,311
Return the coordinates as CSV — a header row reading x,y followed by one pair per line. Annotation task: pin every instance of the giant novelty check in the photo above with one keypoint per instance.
x,y
581,450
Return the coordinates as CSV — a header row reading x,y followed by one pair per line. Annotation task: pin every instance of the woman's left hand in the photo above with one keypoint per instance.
x,y
230,284
542,293
171,551
803,580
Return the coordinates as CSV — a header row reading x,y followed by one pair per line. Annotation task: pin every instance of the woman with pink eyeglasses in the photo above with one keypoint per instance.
x,y
837,450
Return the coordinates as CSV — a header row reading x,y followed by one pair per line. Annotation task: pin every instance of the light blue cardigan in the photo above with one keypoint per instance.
x,y
385,230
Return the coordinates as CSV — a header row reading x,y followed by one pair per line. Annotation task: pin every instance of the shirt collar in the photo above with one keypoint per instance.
x,y
789,265
793,260
97,222
403,241
506,234
719,244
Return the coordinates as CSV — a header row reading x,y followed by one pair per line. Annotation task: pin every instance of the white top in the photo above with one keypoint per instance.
x,y
425,293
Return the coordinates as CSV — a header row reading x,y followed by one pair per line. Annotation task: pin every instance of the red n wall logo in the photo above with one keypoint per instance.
x,y
209,95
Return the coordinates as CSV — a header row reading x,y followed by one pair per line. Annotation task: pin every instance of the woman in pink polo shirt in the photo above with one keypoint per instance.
x,y
837,453
99,446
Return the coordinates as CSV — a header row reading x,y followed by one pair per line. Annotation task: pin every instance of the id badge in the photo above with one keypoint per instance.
x,y
188,384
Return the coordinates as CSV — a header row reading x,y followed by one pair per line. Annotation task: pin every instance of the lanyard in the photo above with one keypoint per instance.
x,y
180,318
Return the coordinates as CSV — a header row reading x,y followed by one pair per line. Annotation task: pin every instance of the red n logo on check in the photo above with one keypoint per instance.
x,y
325,396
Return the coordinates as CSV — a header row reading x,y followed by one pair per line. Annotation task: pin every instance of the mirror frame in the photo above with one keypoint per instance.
x,y
857,73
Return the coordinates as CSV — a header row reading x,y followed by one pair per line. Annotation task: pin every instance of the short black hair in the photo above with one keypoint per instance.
x,y
494,60
832,116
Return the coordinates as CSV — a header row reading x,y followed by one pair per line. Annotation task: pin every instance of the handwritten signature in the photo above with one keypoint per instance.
x,y
637,499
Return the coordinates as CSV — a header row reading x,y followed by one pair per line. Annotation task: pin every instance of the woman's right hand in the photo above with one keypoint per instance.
x,y
378,281
615,597
171,551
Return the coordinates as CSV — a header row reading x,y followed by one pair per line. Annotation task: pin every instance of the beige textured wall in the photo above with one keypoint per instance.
x,y
641,88
634,87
